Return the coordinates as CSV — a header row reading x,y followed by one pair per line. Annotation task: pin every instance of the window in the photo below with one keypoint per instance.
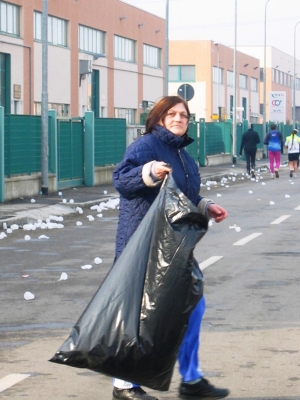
x,y
217,75
254,85
91,40
152,56
62,110
230,79
243,81
182,73
128,113
244,103
125,49
9,18
261,75
57,29
273,75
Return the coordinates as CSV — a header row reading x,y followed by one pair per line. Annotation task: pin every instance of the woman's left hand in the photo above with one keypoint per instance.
x,y
217,212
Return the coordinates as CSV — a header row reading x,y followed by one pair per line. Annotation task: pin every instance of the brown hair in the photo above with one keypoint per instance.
x,y
159,111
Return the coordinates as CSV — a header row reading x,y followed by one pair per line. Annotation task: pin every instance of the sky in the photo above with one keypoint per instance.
x,y
214,20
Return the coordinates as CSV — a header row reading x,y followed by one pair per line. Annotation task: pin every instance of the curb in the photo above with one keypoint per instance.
x,y
43,212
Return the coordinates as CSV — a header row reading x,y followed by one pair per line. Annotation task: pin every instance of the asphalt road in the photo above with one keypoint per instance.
x,y
250,332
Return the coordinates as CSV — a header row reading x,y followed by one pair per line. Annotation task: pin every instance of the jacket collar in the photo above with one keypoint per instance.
x,y
163,134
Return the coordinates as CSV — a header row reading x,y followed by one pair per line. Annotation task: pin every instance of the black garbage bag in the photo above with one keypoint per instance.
x,y
133,327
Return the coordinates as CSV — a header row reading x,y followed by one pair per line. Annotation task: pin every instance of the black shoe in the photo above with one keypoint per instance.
x,y
201,390
291,173
132,394
276,173
252,173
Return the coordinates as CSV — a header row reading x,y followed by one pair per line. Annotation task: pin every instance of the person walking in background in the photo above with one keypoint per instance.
x,y
292,143
274,141
250,140
138,178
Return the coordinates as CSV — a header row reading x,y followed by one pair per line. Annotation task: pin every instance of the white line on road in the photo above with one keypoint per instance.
x,y
297,208
11,380
209,262
280,219
246,239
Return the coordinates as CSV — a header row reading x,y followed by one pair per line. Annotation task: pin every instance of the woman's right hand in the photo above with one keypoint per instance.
x,y
161,169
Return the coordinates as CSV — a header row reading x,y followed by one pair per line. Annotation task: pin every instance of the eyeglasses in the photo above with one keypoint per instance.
x,y
181,115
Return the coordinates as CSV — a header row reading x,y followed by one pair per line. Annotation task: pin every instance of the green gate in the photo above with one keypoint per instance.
x,y
193,148
70,153
110,141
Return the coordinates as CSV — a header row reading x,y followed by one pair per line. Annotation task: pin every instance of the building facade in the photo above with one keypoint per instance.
x,y
207,67
280,79
103,55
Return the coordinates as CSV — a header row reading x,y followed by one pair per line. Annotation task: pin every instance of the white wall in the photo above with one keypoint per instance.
x,y
125,85
59,74
153,84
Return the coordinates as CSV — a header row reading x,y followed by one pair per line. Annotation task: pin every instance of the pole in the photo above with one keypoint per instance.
x,y
218,83
294,79
166,90
264,71
234,89
45,98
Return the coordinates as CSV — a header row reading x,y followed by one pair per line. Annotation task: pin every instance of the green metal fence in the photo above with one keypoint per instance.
x,y
70,152
110,140
193,148
22,144
218,138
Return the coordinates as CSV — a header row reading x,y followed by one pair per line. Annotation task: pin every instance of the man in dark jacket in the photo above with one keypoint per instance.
x,y
249,141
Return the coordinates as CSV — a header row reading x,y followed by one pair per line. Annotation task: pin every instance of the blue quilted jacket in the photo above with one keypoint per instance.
x,y
135,197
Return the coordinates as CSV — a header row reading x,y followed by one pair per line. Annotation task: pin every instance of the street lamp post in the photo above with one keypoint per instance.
x,y
218,82
294,78
166,89
264,70
44,168
234,89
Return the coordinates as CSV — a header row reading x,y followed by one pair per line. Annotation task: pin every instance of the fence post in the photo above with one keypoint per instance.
x,y
53,150
202,150
89,149
2,174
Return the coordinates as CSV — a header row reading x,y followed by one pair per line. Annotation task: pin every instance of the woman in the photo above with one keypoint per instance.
x,y
138,178
274,141
292,143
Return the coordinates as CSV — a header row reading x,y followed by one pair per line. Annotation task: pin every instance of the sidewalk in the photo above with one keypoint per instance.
x,y
30,209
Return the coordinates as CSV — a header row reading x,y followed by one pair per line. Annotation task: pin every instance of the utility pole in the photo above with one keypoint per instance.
x,y
264,73
166,89
44,149
234,90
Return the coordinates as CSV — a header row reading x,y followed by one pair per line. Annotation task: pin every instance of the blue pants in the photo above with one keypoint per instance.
x,y
189,367
188,352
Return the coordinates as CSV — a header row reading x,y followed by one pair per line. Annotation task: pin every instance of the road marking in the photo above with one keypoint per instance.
x,y
297,208
280,219
11,380
209,262
246,239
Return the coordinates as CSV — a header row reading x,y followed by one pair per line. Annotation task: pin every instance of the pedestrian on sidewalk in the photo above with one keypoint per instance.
x,y
292,143
274,141
138,178
250,140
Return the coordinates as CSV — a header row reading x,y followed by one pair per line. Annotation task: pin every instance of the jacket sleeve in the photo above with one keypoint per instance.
x,y
266,139
242,144
128,175
281,141
257,138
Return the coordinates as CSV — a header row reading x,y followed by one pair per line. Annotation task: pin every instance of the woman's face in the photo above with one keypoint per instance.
x,y
176,120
